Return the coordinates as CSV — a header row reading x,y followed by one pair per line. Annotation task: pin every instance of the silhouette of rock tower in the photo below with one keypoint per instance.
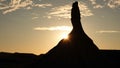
x,y
78,49
79,38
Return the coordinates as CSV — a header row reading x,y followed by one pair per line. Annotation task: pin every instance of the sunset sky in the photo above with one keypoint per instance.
x,y
36,26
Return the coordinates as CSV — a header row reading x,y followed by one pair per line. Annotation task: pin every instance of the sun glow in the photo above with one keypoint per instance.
x,y
64,35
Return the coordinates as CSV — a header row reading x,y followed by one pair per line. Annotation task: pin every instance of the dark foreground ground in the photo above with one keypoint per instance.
x,y
25,60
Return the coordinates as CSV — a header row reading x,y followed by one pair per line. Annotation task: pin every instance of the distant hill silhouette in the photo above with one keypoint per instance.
x,y
16,60
77,51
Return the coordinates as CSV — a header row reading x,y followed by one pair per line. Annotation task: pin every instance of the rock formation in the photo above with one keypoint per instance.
x,y
79,49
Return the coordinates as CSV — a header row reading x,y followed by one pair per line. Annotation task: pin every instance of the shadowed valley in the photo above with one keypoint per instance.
x,y
77,51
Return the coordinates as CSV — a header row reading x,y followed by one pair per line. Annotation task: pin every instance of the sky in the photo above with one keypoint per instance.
x,y
36,26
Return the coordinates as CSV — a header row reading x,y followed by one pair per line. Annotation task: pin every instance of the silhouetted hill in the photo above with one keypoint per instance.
x,y
16,60
110,58
26,60
77,51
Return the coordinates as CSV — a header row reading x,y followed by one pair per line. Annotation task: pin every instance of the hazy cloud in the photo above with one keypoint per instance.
x,y
105,3
61,11
7,6
13,5
85,11
54,28
42,5
35,17
65,10
93,1
16,4
48,17
28,8
2,0
98,6
114,3
107,31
